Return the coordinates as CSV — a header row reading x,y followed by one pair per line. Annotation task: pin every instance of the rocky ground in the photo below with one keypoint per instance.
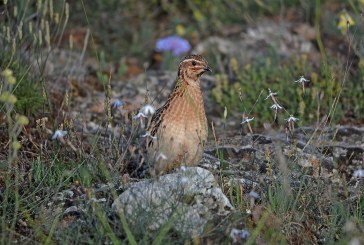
x,y
325,156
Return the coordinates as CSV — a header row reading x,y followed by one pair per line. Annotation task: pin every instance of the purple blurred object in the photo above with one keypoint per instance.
x,y
117,103
177,45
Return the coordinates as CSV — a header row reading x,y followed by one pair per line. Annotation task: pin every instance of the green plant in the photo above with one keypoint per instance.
x,y
22,38
246,93
26,43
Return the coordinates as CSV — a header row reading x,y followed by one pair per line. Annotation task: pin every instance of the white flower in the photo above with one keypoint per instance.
x,y
139,115
292,119
59,134
147,134
301,80
236,234
246,120
253,194
358,173
275,106
271,94
161,156
147,110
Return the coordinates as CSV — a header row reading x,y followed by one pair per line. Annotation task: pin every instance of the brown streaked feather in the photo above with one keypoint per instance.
x,y
177,92
158,115
180,125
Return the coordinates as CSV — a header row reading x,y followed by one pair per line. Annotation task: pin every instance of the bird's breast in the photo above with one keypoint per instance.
x,y
186,113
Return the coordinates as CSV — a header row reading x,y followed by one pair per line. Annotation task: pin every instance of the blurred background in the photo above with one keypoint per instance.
x,y
252,45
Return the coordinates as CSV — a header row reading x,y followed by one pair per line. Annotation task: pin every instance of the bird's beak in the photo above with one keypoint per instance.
x,y
207,68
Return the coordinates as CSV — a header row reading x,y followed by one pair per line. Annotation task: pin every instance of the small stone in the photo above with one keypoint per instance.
x,y
98,200
68,193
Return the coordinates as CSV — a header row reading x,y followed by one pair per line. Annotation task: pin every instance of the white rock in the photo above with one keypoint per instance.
x,y
189,197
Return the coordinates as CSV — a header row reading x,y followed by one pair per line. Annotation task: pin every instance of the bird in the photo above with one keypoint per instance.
x,y
178,130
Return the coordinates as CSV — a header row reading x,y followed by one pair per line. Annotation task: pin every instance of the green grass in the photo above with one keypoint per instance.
x,y
28,87
246,92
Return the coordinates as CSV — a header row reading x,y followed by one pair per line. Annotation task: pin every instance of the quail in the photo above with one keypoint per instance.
x,y
179,129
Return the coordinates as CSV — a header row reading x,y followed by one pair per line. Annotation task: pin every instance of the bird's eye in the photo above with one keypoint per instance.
x,y
193,63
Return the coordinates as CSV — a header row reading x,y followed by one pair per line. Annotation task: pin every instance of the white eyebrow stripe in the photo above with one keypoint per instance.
x,y
188,60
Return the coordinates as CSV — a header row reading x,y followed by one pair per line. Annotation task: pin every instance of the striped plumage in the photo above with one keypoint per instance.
x,y
180,125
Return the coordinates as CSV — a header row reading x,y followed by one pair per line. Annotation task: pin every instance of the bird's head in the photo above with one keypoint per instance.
x,y
192,67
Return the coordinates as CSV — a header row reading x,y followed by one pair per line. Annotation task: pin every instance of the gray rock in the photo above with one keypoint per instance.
x,y
189,198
